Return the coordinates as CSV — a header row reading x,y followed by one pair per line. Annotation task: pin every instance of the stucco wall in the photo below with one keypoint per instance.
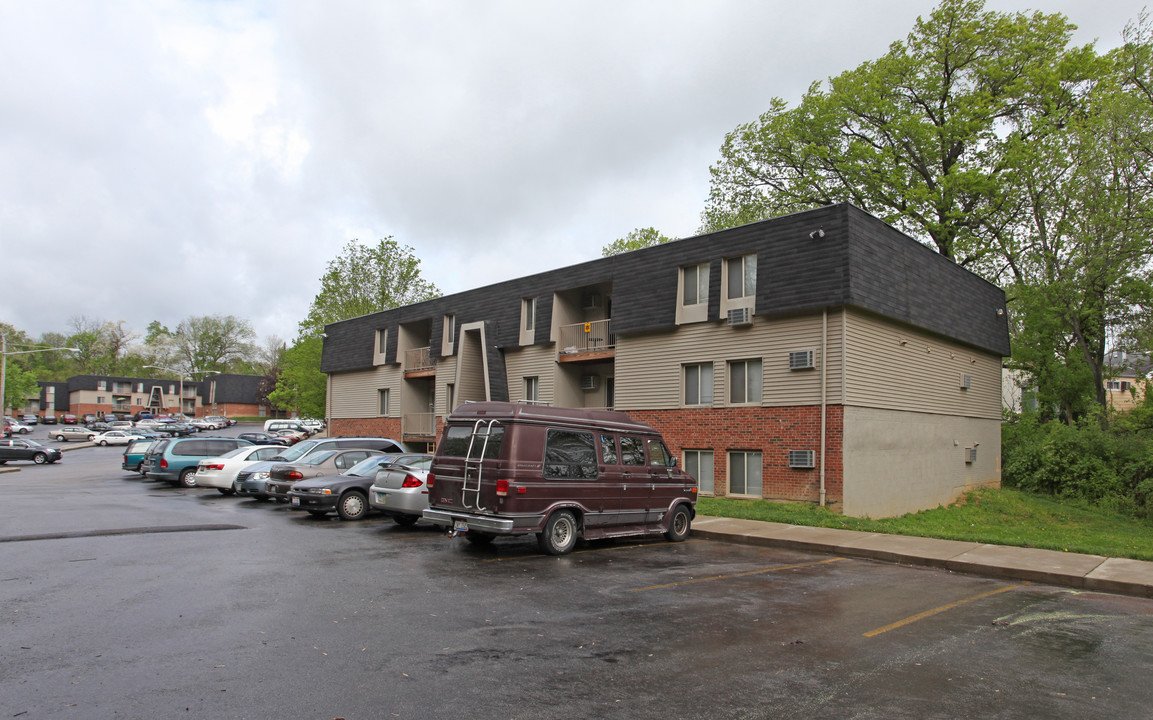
x,y
897,462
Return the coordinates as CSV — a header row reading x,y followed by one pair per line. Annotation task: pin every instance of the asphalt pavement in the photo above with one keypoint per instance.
x,y
1122,576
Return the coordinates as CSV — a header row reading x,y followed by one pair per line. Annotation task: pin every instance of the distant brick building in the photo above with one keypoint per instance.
x,y
223,394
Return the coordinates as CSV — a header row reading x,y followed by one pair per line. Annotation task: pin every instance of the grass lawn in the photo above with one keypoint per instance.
x,y
1002,517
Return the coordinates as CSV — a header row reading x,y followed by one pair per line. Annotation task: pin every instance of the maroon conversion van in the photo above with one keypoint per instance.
x,y
559,473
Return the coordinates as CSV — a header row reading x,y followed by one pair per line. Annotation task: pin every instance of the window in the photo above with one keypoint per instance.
x,y
610,393
457,438
1120,385
699,384
99,399
569,454
382,341
101,384
450,326
383,396
742,276
532,389
449,392
632,451
745,473
699,464
609,450
659,454
529,313
744,382
695,279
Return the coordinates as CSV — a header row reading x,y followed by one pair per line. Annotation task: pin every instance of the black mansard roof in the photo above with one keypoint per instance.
x,y
859,262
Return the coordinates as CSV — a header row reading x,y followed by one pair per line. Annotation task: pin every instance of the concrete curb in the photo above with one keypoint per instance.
x,y
1120,576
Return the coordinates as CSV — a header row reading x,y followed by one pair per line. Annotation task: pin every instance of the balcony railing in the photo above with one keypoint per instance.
x,y
418,359
418,424
587,337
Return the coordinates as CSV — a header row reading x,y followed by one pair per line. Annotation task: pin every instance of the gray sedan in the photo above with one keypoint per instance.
x,y
399,489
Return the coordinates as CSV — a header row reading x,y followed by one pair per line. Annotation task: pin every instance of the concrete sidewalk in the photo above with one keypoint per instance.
x,y
1084,572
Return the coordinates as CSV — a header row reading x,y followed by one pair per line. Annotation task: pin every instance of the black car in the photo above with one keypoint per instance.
x,y
263,438
22,449
346,493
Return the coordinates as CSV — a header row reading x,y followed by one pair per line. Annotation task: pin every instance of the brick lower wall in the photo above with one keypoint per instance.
x,y
365,427
773,431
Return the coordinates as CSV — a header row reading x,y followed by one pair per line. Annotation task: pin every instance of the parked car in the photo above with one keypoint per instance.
x,y
26,449
603,475
175,460
97,426
220,472
346,493
7,429
251,481
19,428
113,437
263,438
326,462
28,419
134,454
274,425
68,419
119,424
221,421
48,419
399,489
64,433
292,436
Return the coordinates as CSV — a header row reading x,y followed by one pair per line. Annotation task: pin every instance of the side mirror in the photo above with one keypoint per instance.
x,y
673,461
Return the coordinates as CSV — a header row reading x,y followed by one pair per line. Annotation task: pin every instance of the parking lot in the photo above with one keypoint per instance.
x,y
127,598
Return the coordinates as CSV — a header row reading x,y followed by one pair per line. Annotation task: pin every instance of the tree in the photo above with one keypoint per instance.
x,y
635,240
363,280
300,386
917,136
212,342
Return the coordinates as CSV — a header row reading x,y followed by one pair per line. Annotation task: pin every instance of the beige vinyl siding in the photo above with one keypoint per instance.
x,y
445,376
354,394
649,375
531,361
896,368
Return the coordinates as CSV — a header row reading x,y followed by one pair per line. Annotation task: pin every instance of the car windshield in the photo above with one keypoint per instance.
x,y
298,450
318,458
369,465
237,452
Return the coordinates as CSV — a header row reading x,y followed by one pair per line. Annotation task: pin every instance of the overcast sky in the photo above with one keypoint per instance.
x,y
167,159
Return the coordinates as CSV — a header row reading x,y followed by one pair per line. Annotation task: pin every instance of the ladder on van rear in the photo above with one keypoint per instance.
x,y
474,464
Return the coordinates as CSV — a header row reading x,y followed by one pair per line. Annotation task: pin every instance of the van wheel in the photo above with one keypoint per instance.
x,y
678,525
352,506
560,533
188,477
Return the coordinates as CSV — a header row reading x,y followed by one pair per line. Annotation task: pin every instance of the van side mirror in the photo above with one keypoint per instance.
x,y
672,461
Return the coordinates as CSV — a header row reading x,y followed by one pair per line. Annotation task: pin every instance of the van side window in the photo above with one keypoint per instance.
x,y
608,450
455,443
659,454
632,451
569,454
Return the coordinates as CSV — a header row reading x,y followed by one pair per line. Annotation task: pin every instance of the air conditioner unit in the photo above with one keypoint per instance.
x,y
590,301
801,360
966,382
740,316
589,382
801,459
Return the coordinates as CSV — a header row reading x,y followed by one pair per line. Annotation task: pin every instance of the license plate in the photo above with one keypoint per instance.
x,y
380,498
460,525
296,501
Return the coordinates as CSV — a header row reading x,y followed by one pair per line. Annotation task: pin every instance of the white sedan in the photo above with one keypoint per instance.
x,y
114,437
220,472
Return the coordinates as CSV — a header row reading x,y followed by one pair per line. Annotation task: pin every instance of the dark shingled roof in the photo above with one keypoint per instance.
x,y
860,262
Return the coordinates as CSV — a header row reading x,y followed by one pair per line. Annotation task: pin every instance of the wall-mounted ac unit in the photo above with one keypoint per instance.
x,y
740,316
590,301
966,382
801,459
589,382
801,360
970,455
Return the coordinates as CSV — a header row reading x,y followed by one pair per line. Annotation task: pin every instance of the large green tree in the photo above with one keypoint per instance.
x,y
300,385
917,137
635,240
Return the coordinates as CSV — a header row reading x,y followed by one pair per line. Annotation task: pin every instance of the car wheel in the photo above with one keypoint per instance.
x,y
560,533
406,520
188,477
60,438
39,458
102,443
226,491
678,525
24,431
352,506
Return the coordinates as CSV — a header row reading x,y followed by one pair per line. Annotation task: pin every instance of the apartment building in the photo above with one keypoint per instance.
x,y
822,357
218,394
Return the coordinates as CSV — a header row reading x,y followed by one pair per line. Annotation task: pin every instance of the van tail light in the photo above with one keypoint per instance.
x,y
293,475
163,464
428,481
411,482
502,487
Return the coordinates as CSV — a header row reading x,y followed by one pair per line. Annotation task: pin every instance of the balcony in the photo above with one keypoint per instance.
x,y
418,425
418,362
587,341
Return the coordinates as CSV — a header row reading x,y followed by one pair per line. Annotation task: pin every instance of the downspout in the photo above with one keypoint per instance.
x,y
824,393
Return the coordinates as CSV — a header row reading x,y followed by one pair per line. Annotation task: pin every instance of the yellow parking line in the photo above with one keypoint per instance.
x,y
737,575
934,611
